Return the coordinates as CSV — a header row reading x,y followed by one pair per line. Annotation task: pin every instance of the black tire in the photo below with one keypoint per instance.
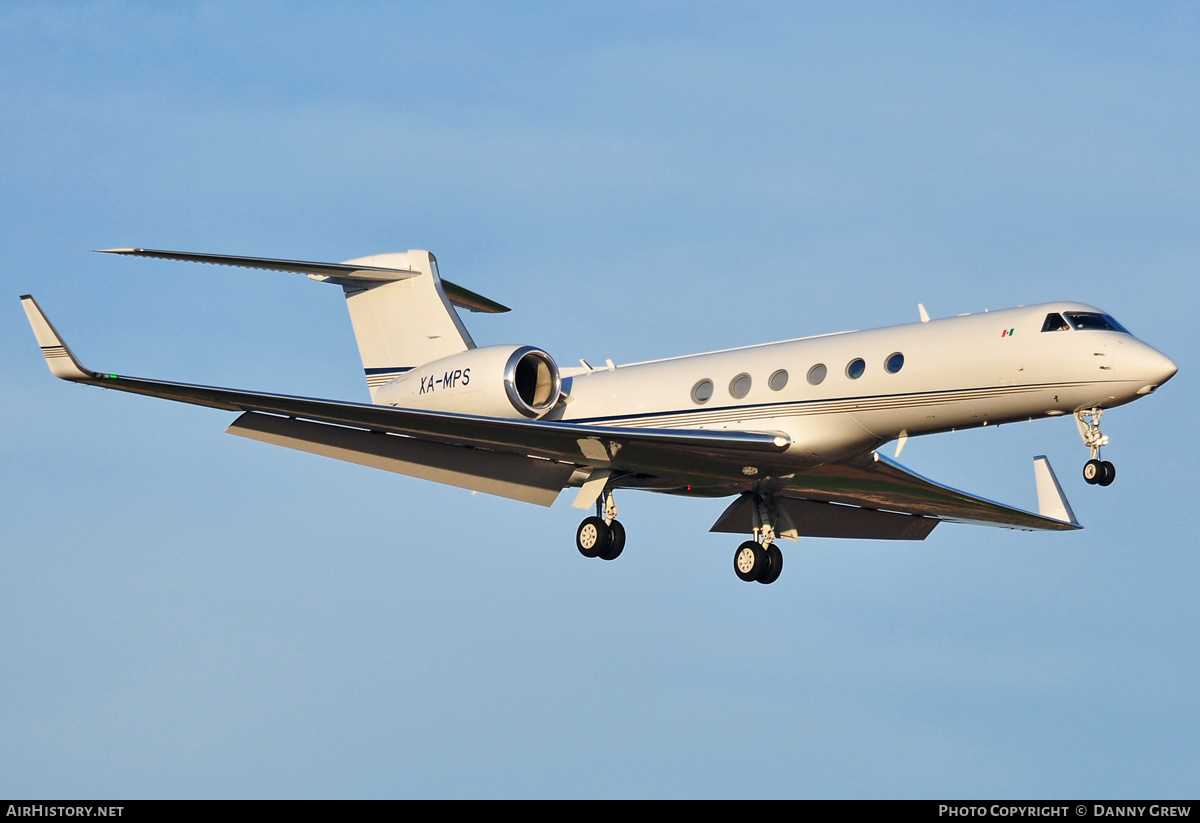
x,y
749,560
774,566
1093,472
592,537
616,544
1110,474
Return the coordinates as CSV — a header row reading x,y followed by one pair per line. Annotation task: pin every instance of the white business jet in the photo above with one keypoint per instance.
x,y
790,430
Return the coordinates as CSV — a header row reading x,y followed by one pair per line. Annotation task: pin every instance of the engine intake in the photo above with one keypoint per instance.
x,y
532,381
493,381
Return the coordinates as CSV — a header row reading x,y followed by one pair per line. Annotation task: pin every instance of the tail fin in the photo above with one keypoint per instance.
x,y
400,308
402,324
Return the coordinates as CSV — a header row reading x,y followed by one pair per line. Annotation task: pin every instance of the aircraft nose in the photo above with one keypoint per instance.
x,y
1150,366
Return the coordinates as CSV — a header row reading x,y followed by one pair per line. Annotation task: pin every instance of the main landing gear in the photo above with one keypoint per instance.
x,y
1096,472
760,559
601,536
753,561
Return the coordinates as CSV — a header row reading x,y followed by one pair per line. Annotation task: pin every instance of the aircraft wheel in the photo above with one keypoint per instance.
x,y
1110,474
616,543
774,565
749,561
1093,471
593,537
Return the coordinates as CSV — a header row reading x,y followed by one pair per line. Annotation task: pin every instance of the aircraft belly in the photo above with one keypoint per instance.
x,y
706,470
951,414
1104,395
820,439
1002,404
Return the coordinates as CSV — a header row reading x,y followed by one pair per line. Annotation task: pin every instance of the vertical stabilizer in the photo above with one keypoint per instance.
x,y
401,324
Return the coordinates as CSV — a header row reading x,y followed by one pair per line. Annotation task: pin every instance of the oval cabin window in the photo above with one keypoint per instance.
x,y
739,386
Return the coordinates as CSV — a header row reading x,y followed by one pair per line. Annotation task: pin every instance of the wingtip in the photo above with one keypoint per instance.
x,y
59,357
1052,501
116,251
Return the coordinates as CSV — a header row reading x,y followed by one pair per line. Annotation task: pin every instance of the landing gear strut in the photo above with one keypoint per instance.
x,y
1095,471
603,535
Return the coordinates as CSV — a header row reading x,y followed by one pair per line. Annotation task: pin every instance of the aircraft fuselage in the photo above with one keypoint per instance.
x,y
954,373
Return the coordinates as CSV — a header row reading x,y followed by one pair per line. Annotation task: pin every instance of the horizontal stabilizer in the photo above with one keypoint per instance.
x,y
342,270
457,295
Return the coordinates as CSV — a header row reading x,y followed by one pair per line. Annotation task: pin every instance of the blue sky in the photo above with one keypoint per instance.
x,y
190,614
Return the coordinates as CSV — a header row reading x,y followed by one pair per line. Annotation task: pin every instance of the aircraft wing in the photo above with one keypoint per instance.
x,y
690,454
872,497
875,482
868,496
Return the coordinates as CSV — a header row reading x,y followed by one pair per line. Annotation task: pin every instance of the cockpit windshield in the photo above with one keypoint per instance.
x,y
1093,321
1055,322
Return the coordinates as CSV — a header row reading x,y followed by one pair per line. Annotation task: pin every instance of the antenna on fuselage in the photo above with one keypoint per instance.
x,y
924,314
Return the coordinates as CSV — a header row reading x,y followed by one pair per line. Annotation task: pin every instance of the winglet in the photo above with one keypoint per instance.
x,y
1051,500
59,358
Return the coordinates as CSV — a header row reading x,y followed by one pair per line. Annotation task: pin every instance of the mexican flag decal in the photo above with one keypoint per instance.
x,y
1007,332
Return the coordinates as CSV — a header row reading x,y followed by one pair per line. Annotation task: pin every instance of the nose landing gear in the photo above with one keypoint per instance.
x,y
1099,472
1096,472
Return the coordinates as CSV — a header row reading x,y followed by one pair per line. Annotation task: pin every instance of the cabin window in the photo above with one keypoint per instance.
x,y
816,375
702,392
739,386
1092,321
1055,322
778,380
894,363
855,368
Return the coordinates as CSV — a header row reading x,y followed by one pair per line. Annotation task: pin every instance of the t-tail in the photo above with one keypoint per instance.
x,y
401,324
402,311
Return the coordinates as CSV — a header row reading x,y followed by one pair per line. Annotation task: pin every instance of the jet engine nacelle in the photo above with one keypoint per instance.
x,y
493,381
